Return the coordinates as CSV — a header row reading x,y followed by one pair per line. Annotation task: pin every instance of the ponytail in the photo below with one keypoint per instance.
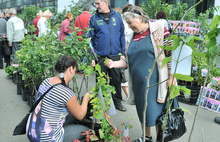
x,y
63,64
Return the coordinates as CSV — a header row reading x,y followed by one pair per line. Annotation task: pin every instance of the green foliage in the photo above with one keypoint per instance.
x,y
29,14
101,103
9,70
39,55
178,11
57,17
153,6
182,77
202,19
172,12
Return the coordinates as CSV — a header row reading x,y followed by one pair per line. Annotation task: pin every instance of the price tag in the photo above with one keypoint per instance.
x,y
126,132
195,69
204,72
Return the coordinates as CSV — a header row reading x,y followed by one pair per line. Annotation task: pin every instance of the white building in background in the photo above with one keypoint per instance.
x,y
217,3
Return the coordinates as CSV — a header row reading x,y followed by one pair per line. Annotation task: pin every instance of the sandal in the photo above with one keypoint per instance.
x,y
147,139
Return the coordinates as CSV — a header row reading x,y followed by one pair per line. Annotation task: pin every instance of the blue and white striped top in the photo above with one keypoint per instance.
x,y
46,122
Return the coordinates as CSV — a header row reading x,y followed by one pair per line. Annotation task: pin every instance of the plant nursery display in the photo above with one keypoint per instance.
x,y
38,55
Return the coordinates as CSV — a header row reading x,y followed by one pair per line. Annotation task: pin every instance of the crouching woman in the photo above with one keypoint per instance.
x,y
46,121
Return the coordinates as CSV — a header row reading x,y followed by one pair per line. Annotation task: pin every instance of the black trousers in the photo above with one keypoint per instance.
x,y
2,54
115,77
15,47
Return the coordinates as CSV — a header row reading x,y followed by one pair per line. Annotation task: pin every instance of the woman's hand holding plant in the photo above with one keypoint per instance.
x,y
171,80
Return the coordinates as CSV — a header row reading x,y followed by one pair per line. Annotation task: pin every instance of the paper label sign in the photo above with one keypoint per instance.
x,y
184,61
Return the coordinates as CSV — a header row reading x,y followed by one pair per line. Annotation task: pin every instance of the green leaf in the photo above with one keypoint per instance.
x,y
101,134
196,38
215,22
199,54
213,49
72,50
130,126
98,68
93,138
190,43
174,92
99,115
185,90
159,46
186,111
176,43
212,33
174,36
182,77
169,48
165,61
187,39
211,43
218,30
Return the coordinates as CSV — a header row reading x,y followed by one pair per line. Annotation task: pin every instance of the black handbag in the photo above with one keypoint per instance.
x,y
20,129
123,79
6,48
175,126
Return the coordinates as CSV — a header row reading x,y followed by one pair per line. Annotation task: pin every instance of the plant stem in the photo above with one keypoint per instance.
x,y
206,78
168,103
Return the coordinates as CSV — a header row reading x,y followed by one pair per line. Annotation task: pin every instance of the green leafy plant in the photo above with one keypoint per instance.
x,y
9,70
153,6
28,15
212,50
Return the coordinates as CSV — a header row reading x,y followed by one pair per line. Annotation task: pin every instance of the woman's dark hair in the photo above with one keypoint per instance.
x,y
161,15
125,8
63,64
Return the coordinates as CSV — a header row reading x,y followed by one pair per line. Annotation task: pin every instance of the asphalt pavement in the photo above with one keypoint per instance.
x,y
13,109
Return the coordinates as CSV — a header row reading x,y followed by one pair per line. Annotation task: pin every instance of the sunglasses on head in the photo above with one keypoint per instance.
x,y
137,12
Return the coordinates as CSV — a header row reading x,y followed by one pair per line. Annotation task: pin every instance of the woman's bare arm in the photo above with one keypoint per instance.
x,y
77,110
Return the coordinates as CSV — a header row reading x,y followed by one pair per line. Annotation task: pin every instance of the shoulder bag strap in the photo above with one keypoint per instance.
x,y
41,97
169,25
80,23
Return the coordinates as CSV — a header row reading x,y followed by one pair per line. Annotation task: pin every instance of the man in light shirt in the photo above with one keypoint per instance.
x,y
15,32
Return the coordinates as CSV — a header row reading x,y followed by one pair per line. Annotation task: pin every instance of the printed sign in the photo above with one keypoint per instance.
x,y
210,99
184,27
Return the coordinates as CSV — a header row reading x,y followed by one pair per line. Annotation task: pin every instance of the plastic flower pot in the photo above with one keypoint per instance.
x,y
24,93
19,89
14,78
28,99
31,102
19,78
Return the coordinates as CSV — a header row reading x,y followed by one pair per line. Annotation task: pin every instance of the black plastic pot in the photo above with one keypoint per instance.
x,y
19,78
28,99
195,89
24,93
31,102
32,99
14,78
19,89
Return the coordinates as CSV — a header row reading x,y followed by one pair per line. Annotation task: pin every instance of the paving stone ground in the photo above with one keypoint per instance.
x,y
13,109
